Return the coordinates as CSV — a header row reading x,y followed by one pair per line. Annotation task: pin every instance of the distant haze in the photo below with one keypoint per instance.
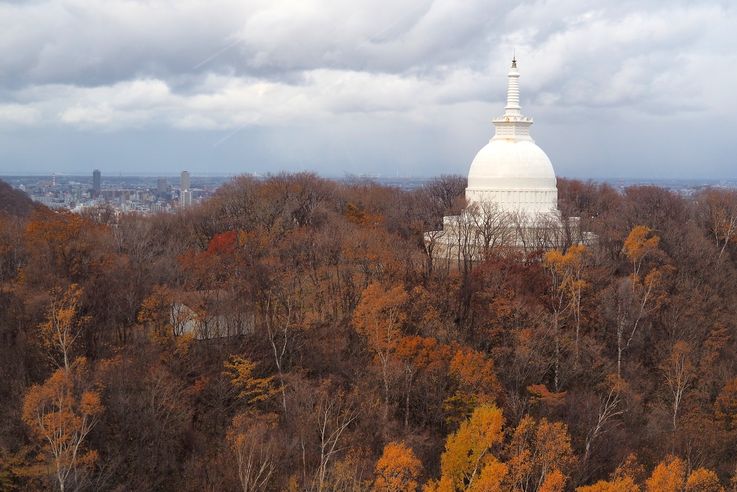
x,y
625,88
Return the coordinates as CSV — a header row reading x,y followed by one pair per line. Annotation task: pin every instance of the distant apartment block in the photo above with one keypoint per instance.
x,y
96,182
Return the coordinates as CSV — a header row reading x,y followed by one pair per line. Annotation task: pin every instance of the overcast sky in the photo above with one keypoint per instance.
x,y
620,88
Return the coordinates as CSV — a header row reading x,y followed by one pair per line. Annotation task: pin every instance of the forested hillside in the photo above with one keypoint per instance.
x,y
14,202
296,333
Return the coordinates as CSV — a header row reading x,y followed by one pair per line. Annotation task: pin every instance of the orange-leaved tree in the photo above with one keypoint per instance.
x,y
638,246
671,476
624,479
164,314
61,413
63,323
491,478
476,383
555,481
537,450
379,317
620,484
419,355
668,476
397,469
56,242
703,480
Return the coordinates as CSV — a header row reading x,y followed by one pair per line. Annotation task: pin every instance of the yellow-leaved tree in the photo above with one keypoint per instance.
x,y
250,388
250,434
566,289
468,452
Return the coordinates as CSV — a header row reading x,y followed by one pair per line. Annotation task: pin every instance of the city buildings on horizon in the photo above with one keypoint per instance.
x,y
124,194
154,194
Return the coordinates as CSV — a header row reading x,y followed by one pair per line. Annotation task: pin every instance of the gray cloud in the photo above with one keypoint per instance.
x,y
303,72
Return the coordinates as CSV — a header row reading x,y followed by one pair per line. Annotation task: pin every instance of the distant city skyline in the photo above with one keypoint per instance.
x,y
155,194
626,89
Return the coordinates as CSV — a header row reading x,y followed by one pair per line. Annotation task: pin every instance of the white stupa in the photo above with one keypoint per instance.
x,y
511,195
511,171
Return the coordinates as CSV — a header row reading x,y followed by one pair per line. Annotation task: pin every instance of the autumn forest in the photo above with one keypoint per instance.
x,y
294,333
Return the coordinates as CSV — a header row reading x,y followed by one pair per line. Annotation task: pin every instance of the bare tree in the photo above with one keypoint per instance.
x,y
679,373
609,409
253,450
634,302
492,229
433,243
520,223
279,319
444,192
333,419
465,231
718,212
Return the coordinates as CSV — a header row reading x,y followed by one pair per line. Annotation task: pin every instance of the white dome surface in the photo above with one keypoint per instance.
x,y
510,164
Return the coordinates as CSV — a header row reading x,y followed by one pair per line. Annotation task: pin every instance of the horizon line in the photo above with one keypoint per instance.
x,y
343,176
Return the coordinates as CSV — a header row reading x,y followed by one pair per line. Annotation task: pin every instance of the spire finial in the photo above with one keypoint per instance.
x,y
512,108
514,59
513,125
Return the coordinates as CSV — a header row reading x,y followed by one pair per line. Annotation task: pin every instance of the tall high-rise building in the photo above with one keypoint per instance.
x,y
185,198
96,182
184,181
185,194
161,185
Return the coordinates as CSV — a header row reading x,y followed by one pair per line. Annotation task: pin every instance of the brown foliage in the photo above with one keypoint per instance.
x,y
370,341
